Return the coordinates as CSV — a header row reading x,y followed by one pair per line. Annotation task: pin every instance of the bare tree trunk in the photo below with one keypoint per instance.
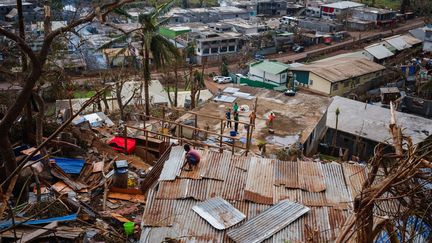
x,y
193,88
147,79
176,84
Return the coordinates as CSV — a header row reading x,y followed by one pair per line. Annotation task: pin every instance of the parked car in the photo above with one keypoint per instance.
x,y
216,78
298,48
224,80
289,93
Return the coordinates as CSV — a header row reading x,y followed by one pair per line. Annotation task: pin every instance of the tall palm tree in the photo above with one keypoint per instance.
x,y
152,43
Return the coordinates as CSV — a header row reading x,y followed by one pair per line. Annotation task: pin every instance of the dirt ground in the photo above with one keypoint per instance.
x,y
295,116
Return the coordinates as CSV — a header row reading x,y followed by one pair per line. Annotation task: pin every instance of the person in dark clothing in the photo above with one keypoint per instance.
x,y
228,117
236,119
192,157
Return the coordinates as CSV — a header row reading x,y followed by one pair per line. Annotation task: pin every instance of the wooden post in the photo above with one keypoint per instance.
x,y
247,139
146,144
163,119
220,137
125,138
195,133
232,147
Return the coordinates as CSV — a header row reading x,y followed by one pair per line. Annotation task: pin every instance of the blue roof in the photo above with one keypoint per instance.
x,y
70,166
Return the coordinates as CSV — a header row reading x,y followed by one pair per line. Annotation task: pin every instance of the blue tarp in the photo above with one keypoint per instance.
x,y
418,231
8,223
70,166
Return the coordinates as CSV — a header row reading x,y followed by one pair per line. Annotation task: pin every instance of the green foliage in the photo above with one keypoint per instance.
x,y
80,94
224,70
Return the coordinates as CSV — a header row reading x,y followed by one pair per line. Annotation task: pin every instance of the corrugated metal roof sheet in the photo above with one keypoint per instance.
x,y
379,51
355,176
398,42
172,166
218,169
259,182
286,173
234,185
336,189
411,40
169,205
268,223
219,213
311,177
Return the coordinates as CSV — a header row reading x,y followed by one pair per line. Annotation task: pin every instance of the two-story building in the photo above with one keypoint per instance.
x,y
272,7
211,46
338,76
206,15
380,17
343,9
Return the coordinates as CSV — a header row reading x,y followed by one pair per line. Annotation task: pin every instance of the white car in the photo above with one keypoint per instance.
x,y
216,78
224,80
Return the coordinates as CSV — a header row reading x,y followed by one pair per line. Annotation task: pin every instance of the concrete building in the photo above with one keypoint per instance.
x,y
319,25
246,27
206,15
250,6
338,76
343,9
211,46
380,17
272,7
362,126
272,72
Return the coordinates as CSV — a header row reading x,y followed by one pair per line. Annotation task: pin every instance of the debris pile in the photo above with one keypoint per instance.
x,y
85,186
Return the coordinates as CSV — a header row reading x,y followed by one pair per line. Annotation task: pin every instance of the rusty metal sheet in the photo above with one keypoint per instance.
x,y
219,213
268,223
241,162
281,193
259,182
172,166
336,192
233,188
217,167
158,212
286,173
311,176
337,219
314,198
355,176
183,188
197,172
153,175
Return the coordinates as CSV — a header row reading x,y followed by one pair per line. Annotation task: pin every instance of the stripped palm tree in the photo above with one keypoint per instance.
x,y
152,43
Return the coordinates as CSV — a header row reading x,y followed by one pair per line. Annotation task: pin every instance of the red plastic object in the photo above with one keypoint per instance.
x,y
118,143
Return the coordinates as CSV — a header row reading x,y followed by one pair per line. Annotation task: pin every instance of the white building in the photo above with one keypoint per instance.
x,y
272,72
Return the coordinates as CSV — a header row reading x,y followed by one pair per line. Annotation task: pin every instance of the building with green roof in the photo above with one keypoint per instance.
x,y
174,31
269,72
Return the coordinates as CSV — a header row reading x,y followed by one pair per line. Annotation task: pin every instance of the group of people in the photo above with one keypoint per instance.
x,y
235,112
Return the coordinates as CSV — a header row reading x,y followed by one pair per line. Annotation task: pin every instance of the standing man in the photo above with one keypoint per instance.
x,y
235,108
271,118
228,117
236,119
192,157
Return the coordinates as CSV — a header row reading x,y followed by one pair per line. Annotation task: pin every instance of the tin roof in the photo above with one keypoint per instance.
x,y
339,69
343,5
251,185
268,223
219,213
379,51
398,42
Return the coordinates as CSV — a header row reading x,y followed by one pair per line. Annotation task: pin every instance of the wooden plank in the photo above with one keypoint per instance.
x,y
120,218
35,234
127,197
98,167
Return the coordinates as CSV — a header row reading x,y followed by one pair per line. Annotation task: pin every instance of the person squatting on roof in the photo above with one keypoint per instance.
x,y
192,157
